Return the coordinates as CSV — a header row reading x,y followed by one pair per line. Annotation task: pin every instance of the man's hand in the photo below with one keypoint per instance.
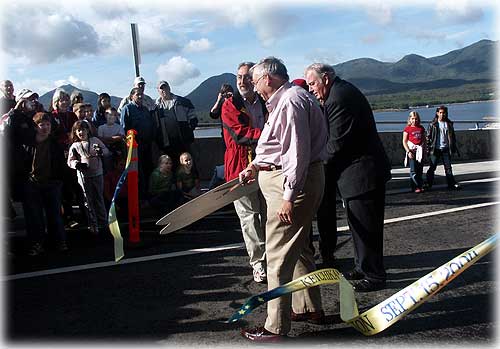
x,y
248,175
285,213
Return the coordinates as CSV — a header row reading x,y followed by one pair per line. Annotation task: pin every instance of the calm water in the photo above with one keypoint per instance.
x,y
457,112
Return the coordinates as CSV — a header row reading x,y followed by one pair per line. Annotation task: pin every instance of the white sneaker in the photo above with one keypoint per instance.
x,y
259,274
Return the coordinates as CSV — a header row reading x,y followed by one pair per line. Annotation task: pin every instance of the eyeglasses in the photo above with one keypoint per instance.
x,y
245,77
256,82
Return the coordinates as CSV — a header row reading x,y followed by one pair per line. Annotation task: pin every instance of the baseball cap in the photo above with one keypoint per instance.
x,y
302,83
139,80
161,83
25,94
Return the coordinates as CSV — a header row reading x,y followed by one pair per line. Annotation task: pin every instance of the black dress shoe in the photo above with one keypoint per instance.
x,y
314,317
354,275
260,334
366,285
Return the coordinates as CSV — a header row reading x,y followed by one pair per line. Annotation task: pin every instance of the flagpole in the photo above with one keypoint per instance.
x,y
135,47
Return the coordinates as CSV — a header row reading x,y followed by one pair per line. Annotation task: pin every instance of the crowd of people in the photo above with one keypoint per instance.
x,y
304,141
71,154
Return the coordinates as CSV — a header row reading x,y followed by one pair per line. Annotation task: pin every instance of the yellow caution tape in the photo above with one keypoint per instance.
x,y
386,313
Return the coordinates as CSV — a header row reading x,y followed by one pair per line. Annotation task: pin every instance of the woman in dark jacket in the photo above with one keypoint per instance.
x,y
441,144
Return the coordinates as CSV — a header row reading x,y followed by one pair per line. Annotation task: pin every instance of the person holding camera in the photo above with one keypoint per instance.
x,y
226,91
85,156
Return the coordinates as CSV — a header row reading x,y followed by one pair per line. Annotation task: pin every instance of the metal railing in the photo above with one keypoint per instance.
x,y
477,123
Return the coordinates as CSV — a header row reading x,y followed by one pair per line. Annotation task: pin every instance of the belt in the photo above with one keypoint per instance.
x,y
270,168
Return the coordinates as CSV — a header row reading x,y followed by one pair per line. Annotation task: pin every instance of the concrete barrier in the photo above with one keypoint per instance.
x,y
472,144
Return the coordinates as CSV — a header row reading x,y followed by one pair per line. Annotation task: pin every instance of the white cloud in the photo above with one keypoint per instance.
x,y
198,45
380,13
458,11
177,71
45,37
71,80
37,85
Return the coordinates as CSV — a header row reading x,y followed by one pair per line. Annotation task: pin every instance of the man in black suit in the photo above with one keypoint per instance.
x,y
358,165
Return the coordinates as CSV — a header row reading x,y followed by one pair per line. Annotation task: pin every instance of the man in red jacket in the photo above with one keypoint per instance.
x,y
243,116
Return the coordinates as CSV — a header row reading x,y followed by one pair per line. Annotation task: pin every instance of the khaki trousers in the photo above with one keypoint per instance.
x,y
251,210
288,253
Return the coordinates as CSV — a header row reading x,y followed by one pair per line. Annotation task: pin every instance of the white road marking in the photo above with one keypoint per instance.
x,y
214,249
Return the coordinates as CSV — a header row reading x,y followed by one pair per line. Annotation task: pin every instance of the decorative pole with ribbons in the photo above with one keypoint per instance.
x,y
114,227
133,190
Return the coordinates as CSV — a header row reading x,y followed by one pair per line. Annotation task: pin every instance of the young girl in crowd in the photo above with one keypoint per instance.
x,y
441,144
162,186
111,133
103,103
188,180
113,136
85,156
414,143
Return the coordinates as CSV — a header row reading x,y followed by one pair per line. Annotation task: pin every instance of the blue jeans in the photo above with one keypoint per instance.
x,y
416,170
443,154
39,199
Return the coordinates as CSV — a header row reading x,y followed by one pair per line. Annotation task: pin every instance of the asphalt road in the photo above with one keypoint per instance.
x,y
157,297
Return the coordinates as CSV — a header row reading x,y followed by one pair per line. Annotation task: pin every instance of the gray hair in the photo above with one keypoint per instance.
x,y
246,64
321,68
272,66
59,93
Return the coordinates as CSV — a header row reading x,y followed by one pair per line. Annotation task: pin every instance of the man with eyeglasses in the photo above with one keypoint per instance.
x,y
289,161
147,101
243,116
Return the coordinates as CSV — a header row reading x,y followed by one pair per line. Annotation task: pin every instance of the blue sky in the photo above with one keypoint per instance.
x,y
88,44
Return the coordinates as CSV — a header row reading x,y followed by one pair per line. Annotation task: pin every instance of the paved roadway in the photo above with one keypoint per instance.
x,y
177,290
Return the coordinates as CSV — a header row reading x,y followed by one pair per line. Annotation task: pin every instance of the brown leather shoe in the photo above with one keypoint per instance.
x,y
260,334
315,317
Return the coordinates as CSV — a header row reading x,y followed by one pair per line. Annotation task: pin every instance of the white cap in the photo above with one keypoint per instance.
x,y
25,94
138,80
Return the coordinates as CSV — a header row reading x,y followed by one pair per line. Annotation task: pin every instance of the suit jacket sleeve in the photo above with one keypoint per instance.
x,y
341,130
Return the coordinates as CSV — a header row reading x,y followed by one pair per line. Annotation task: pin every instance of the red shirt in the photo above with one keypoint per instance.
x,y
415,134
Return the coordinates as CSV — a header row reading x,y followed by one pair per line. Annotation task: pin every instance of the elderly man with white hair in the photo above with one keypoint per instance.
x,y
7,98
289,160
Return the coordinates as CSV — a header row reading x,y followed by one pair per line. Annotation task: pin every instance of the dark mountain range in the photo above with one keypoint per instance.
x,y
457,70
88,97
473,62
468,66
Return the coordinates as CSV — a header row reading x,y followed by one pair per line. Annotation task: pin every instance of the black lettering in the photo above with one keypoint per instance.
x,y
383,310
394,308
432,283
448,273
457,267
400,300
467,260
411,297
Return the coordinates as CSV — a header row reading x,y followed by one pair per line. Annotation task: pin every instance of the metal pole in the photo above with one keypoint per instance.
x,y
135,46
